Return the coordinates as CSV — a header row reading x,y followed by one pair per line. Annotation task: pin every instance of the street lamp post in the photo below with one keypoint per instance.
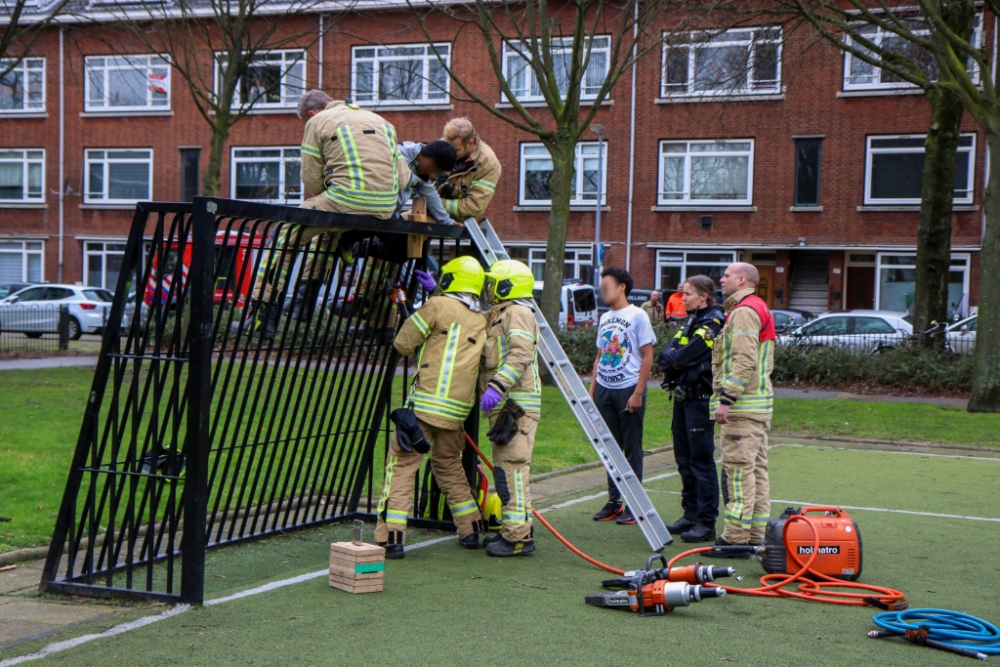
x,y
597,255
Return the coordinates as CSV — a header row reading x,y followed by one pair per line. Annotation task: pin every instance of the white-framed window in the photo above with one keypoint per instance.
x,y
675,266
22,176
102,262
118,175
578,261
536,169
897,278
400,74
717,173
745,61
127,83
21,261
22,90
894,169
523,83
860,75
270,175
273,79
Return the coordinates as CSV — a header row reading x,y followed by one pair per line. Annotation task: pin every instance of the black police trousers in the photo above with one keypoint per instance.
x,y
694,451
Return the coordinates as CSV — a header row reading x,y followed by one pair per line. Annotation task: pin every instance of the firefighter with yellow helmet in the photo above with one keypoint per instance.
x,y
449,331
511,397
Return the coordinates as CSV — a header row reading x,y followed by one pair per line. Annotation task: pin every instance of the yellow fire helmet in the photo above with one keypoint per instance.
x,y
511,280
463,274
493,512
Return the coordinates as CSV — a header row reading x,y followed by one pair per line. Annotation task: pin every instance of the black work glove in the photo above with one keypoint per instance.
x,y
409,436
447,190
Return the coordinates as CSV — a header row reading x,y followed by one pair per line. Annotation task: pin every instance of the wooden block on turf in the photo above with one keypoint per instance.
x,y
357,568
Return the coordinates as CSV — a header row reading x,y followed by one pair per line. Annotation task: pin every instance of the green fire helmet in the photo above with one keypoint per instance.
x,y
513,280
463,274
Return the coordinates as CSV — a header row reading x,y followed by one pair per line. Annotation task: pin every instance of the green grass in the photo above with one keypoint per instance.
x,y
446,606
43,409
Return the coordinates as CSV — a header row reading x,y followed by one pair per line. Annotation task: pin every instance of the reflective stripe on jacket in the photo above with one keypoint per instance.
x,y
510,358
450,338
475,181
351,156
742,363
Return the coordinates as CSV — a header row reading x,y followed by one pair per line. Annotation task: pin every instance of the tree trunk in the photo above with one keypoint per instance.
x,y
560,185
930,295
986,368
213,171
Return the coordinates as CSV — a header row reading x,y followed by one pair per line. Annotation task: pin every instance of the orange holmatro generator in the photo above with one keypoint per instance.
x,y
839,543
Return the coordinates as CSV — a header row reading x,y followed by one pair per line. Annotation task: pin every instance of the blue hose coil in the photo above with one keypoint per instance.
x,y
950,627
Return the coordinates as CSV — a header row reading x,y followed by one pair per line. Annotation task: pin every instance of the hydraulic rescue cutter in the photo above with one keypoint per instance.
x,y
662,589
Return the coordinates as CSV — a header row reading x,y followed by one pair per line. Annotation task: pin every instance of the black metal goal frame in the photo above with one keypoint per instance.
x,y
198,433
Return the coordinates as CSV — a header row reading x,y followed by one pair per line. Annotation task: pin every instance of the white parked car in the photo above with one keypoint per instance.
x,y
865,330
577,304
961,335
35,310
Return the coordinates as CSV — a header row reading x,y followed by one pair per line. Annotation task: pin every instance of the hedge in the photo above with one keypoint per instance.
x,y
910,368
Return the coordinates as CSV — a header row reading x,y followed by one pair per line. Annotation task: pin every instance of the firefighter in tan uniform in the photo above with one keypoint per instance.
x,y
742,361
473,182
350,164
449,331
509,372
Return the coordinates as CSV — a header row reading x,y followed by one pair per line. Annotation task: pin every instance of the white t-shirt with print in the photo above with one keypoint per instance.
x,y
620,334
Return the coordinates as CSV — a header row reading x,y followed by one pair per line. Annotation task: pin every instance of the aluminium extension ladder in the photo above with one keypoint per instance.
x,y
576,394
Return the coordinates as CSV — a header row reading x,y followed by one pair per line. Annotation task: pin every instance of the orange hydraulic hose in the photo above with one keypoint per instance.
x,y
808,588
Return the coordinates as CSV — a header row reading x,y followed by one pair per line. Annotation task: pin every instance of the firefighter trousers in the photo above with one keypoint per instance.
x,y
276,262
401,473
744,458
511,467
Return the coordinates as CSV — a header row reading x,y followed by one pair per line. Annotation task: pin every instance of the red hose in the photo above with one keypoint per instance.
x,y
813,585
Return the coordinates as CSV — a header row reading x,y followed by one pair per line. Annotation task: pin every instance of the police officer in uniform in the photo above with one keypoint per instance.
x,y
449,331
686,363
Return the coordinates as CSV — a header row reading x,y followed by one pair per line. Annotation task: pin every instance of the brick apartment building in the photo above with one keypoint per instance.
x,y
808,165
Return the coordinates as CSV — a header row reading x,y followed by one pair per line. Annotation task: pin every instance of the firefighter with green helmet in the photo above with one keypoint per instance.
x,y
511,397
448,334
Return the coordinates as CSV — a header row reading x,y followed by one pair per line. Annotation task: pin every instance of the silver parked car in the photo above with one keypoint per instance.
x,y
35,310
863,330
961,335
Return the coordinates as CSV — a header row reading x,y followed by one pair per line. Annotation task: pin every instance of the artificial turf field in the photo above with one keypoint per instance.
x,y
446,606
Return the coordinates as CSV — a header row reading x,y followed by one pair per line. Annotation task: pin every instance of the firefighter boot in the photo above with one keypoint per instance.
x,y
265,325
245,324
504,547
305,300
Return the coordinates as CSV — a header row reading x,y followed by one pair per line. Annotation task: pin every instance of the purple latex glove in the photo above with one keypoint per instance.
x,y
490,399
425,279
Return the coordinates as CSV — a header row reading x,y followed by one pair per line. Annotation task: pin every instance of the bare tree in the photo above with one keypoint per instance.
x,y
936,47
219,49
19,29
550,51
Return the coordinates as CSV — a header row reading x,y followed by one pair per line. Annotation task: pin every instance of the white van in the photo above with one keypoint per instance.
x,y
577,304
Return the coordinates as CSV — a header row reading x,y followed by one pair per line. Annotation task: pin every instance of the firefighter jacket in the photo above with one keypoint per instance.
x,y
450,337
742,363
686,361
351,156
510,358
474,181
654,311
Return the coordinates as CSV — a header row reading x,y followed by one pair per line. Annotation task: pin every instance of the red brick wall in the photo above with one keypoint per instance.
x,y
812,78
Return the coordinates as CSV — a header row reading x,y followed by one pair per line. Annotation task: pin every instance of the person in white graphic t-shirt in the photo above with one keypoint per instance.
x,y
625,341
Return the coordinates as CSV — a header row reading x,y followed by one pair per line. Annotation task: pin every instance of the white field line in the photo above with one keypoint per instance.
x,y
888,451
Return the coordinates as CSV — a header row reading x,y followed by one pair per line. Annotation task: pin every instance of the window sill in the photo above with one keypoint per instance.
x,y
544,105
10,115
805,209
708,99
271,112
880,92
107,207
704,209
574,208
956,208
23,204
407,107
165,113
